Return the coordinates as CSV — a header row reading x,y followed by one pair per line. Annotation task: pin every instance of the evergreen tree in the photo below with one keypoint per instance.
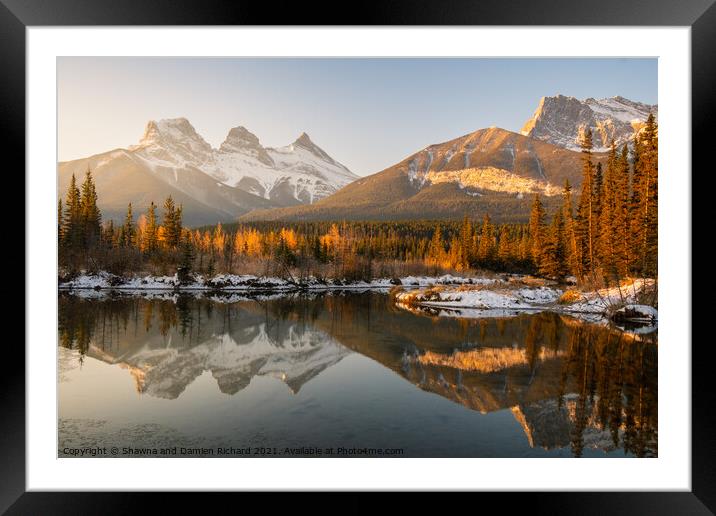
x,y
537,231
554,259
647,217
607,226
586,222
60,222
187,260
151,230
597,191
178,222
171,231
504,249
486,246
436,251
72,221
91,219
622,214
574,258
127,232
466,256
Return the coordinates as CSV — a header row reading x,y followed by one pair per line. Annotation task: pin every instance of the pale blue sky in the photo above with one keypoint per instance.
x,y
366,113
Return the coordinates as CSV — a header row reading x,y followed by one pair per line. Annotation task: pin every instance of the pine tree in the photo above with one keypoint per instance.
x,y
171,232
647,218
466,256
635,203
178,222
151,230
436,250
622,214
607,228
90,215
537,231
60,223
504,249
72,221
486,246
554,259
574,258
127,232
585,221
187,260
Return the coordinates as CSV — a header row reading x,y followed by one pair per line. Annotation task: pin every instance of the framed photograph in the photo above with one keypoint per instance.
x,y
433,250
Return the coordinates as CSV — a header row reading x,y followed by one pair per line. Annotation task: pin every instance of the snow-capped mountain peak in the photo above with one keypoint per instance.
x,y
299,173
241,140
172,131
173,142
304,141
561,120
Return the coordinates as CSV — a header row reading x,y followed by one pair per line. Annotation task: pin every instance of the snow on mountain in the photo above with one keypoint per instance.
x,y
488,167
299,173
294,357
561,120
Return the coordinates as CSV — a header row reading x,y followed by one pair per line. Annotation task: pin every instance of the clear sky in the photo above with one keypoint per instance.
x,y
366,113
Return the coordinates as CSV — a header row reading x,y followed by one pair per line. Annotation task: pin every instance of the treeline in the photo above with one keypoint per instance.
x,y
614,231
609,232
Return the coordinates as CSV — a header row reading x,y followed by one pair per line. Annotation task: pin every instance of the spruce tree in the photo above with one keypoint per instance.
x,y
150,232
178,222
72,221
554,258
648,213
90,215
436,251
622,214
635,204
606,239
574,258
171,235
59,222
537,231
486,247
466,256
504,249
128,231
187,260
586,209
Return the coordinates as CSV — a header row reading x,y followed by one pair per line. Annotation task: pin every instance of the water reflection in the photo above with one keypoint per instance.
x,y
568,383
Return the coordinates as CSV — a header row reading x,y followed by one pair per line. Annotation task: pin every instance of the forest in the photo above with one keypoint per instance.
x,y
605,231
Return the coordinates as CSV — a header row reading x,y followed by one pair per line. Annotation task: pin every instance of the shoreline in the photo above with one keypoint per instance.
x,y
464,296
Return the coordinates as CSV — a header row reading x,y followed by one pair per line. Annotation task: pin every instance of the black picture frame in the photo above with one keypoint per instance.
x,y
700,15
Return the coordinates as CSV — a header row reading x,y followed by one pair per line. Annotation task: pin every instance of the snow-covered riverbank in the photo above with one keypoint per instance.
x,y
474,300
472,297
247,283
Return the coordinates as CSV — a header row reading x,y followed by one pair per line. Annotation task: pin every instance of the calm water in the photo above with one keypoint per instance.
x,y
303,374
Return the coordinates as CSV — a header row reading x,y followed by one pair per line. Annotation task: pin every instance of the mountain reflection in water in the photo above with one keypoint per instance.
x,y
569,384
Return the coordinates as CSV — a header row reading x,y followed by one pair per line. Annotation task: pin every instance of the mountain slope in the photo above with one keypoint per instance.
x,y
490,170
213,184
122,177
561,120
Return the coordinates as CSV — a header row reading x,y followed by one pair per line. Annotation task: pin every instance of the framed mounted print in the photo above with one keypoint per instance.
x,y
433,250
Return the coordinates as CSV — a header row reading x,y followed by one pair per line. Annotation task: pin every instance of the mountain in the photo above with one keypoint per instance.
x,y
299,173
164,363
213,185
490,170
561,120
